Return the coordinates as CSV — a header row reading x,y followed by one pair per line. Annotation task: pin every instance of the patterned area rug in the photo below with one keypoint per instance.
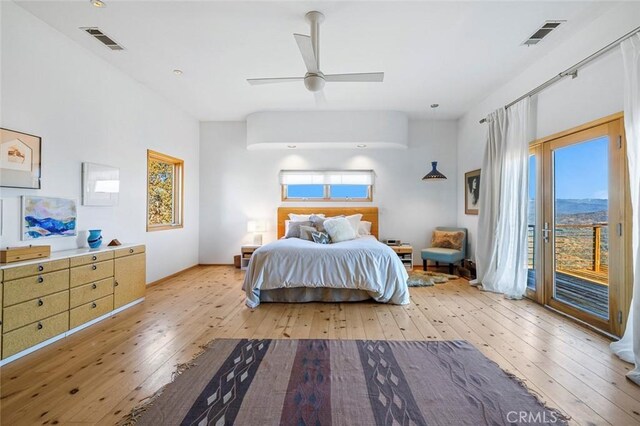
x,y
418,278
343,382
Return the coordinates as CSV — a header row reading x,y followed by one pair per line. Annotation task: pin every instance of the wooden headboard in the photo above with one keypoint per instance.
x,y
370,214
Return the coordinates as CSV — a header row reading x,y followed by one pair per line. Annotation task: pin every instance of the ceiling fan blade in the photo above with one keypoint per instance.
x,y
256,81
321,100
356,77
308,54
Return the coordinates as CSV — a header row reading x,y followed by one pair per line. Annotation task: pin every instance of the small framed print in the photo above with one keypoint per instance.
x,y
19,159
100,185
471,191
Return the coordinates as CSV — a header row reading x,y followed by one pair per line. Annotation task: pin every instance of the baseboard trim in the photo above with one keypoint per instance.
x,y
216,264
168,277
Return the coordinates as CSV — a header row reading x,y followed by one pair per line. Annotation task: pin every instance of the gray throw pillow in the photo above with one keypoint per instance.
x,y
318,221
305,232
294,229
321,237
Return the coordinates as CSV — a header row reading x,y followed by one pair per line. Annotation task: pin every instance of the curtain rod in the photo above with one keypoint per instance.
x,y
573,70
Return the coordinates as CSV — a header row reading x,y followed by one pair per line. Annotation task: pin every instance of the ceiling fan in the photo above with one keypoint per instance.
x,y
315,79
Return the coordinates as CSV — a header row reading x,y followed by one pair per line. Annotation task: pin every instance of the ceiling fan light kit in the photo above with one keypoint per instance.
x,y
314,80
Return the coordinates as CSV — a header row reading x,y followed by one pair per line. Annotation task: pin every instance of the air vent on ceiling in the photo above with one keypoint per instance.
x,y
542,32
102,37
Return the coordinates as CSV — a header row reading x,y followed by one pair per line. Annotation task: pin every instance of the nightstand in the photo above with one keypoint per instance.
x,y
405,253
245,255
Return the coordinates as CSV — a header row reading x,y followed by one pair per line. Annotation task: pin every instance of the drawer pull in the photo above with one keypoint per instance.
x,y
94,257
39,326
93,305
116,284
40,268
40,280
40,302
94,286
94,267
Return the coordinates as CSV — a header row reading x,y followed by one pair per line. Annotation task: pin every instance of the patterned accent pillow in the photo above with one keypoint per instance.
x,y
321,237
294,229
306,231
446,239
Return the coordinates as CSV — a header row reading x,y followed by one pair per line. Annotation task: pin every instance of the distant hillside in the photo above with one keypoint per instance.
x,y
582,211
592,205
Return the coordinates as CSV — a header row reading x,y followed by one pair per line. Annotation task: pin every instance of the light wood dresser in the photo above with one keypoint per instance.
x,y
45,300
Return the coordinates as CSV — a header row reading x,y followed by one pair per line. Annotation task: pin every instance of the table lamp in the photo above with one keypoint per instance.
x,y
256,227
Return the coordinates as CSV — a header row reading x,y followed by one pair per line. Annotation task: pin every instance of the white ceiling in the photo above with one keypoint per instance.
x,y
451,53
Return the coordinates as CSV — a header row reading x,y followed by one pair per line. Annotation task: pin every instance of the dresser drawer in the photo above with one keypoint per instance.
x,y
32,334
24,289
129,251
91,273
91,258
35,269
88,311
90,292
34,310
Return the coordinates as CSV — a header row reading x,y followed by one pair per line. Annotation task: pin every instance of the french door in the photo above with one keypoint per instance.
x,y
578,238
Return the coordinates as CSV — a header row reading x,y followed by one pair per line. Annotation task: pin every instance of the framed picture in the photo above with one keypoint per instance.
x,y
100,185
471,191
45,217
19,159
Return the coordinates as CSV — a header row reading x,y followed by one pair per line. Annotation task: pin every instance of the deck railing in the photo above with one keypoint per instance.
x,y
578,247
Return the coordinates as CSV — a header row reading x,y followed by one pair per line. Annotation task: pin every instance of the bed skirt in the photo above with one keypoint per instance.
x,y
307,294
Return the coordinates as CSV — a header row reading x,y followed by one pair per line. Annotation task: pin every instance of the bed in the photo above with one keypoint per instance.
x,y
296,270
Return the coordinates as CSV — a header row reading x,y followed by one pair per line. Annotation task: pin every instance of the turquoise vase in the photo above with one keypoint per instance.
x,y
95,238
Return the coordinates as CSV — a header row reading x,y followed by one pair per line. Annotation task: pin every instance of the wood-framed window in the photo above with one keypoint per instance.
x,y
165,191
327,185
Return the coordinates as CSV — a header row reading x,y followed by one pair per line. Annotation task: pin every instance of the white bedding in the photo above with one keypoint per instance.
x,y
360,264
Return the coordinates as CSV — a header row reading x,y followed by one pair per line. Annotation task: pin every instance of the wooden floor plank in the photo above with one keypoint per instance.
x,y
119,362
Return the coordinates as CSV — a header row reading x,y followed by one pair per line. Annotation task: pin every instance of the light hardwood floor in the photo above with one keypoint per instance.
x,y
99,374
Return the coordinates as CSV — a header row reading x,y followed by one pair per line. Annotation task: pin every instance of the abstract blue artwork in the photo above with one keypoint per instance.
x,y
48,217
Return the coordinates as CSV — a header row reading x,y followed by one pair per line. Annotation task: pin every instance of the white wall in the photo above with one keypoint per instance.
x,y
238,185
86,110
596,93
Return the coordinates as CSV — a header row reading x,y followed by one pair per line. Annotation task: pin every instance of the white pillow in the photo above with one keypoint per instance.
x,y
364,228
339,229
303,217
354,221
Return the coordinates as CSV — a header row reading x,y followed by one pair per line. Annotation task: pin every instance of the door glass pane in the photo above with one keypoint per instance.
x,y
581,205
531,225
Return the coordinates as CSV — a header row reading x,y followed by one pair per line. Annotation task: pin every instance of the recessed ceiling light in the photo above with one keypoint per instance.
x,y
435,105
361,145
98,3
291,146
177,72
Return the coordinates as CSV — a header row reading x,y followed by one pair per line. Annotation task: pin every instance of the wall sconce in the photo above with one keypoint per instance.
x,y
434,173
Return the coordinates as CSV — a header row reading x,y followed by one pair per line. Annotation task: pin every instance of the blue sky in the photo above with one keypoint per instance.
x,y
581,170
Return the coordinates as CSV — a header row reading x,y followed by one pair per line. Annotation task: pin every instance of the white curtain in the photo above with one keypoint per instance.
x,y
501,251
628,348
